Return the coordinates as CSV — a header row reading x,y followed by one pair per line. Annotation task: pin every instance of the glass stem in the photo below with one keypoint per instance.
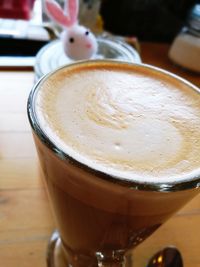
x,y
110,264
113,261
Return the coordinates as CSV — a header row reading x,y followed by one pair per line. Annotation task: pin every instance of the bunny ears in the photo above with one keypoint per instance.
x,y
66,17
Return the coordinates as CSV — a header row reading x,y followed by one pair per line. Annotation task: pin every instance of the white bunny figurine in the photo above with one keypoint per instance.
x,y
79,42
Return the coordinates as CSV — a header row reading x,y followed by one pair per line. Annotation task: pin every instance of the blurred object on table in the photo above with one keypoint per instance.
x,y
52,55
89,15
16,9
149,20
185,50
21,39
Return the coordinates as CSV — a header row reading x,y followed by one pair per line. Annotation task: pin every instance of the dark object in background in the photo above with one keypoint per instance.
x,y
149,20
20,47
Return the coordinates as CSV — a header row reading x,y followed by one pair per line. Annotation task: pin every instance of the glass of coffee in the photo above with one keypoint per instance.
x,y
119,147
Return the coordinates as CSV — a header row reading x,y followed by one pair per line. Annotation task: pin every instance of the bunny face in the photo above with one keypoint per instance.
x,y
79,43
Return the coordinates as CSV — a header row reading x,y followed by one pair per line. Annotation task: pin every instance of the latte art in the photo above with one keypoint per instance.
x,y
133,123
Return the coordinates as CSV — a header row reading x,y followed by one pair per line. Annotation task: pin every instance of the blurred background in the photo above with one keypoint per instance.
x,y
25,28
149,20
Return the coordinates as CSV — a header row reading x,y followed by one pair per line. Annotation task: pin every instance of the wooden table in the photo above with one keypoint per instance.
x,y
25,217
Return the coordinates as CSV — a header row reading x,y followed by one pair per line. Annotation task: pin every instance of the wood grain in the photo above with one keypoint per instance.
x,y
25,216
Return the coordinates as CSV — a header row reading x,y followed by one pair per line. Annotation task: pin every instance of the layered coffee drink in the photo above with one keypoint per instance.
x,y
119,145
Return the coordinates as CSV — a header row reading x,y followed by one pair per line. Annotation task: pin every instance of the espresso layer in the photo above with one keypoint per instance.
x,y
131,122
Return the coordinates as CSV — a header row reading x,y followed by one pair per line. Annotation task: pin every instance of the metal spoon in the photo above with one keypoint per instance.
x,y
167,257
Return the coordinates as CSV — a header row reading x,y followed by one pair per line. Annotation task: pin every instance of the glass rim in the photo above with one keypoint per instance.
x,y
167,186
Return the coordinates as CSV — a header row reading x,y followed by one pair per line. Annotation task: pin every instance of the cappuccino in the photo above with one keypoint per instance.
x,y
118,143
128,121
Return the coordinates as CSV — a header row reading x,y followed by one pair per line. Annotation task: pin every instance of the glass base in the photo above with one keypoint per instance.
x,y
56,255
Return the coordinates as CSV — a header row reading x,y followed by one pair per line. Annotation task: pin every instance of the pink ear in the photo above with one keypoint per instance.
x,y
56,13
72,8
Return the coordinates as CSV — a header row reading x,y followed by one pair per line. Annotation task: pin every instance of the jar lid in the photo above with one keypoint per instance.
x,y
52,55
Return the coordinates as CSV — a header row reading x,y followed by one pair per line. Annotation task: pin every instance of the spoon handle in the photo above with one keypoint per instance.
x,y
168,257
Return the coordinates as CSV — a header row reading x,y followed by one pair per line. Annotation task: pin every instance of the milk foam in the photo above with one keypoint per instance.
x,y
132,123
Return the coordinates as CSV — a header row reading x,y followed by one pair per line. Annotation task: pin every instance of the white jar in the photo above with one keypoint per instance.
x,y
52,55
185,50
